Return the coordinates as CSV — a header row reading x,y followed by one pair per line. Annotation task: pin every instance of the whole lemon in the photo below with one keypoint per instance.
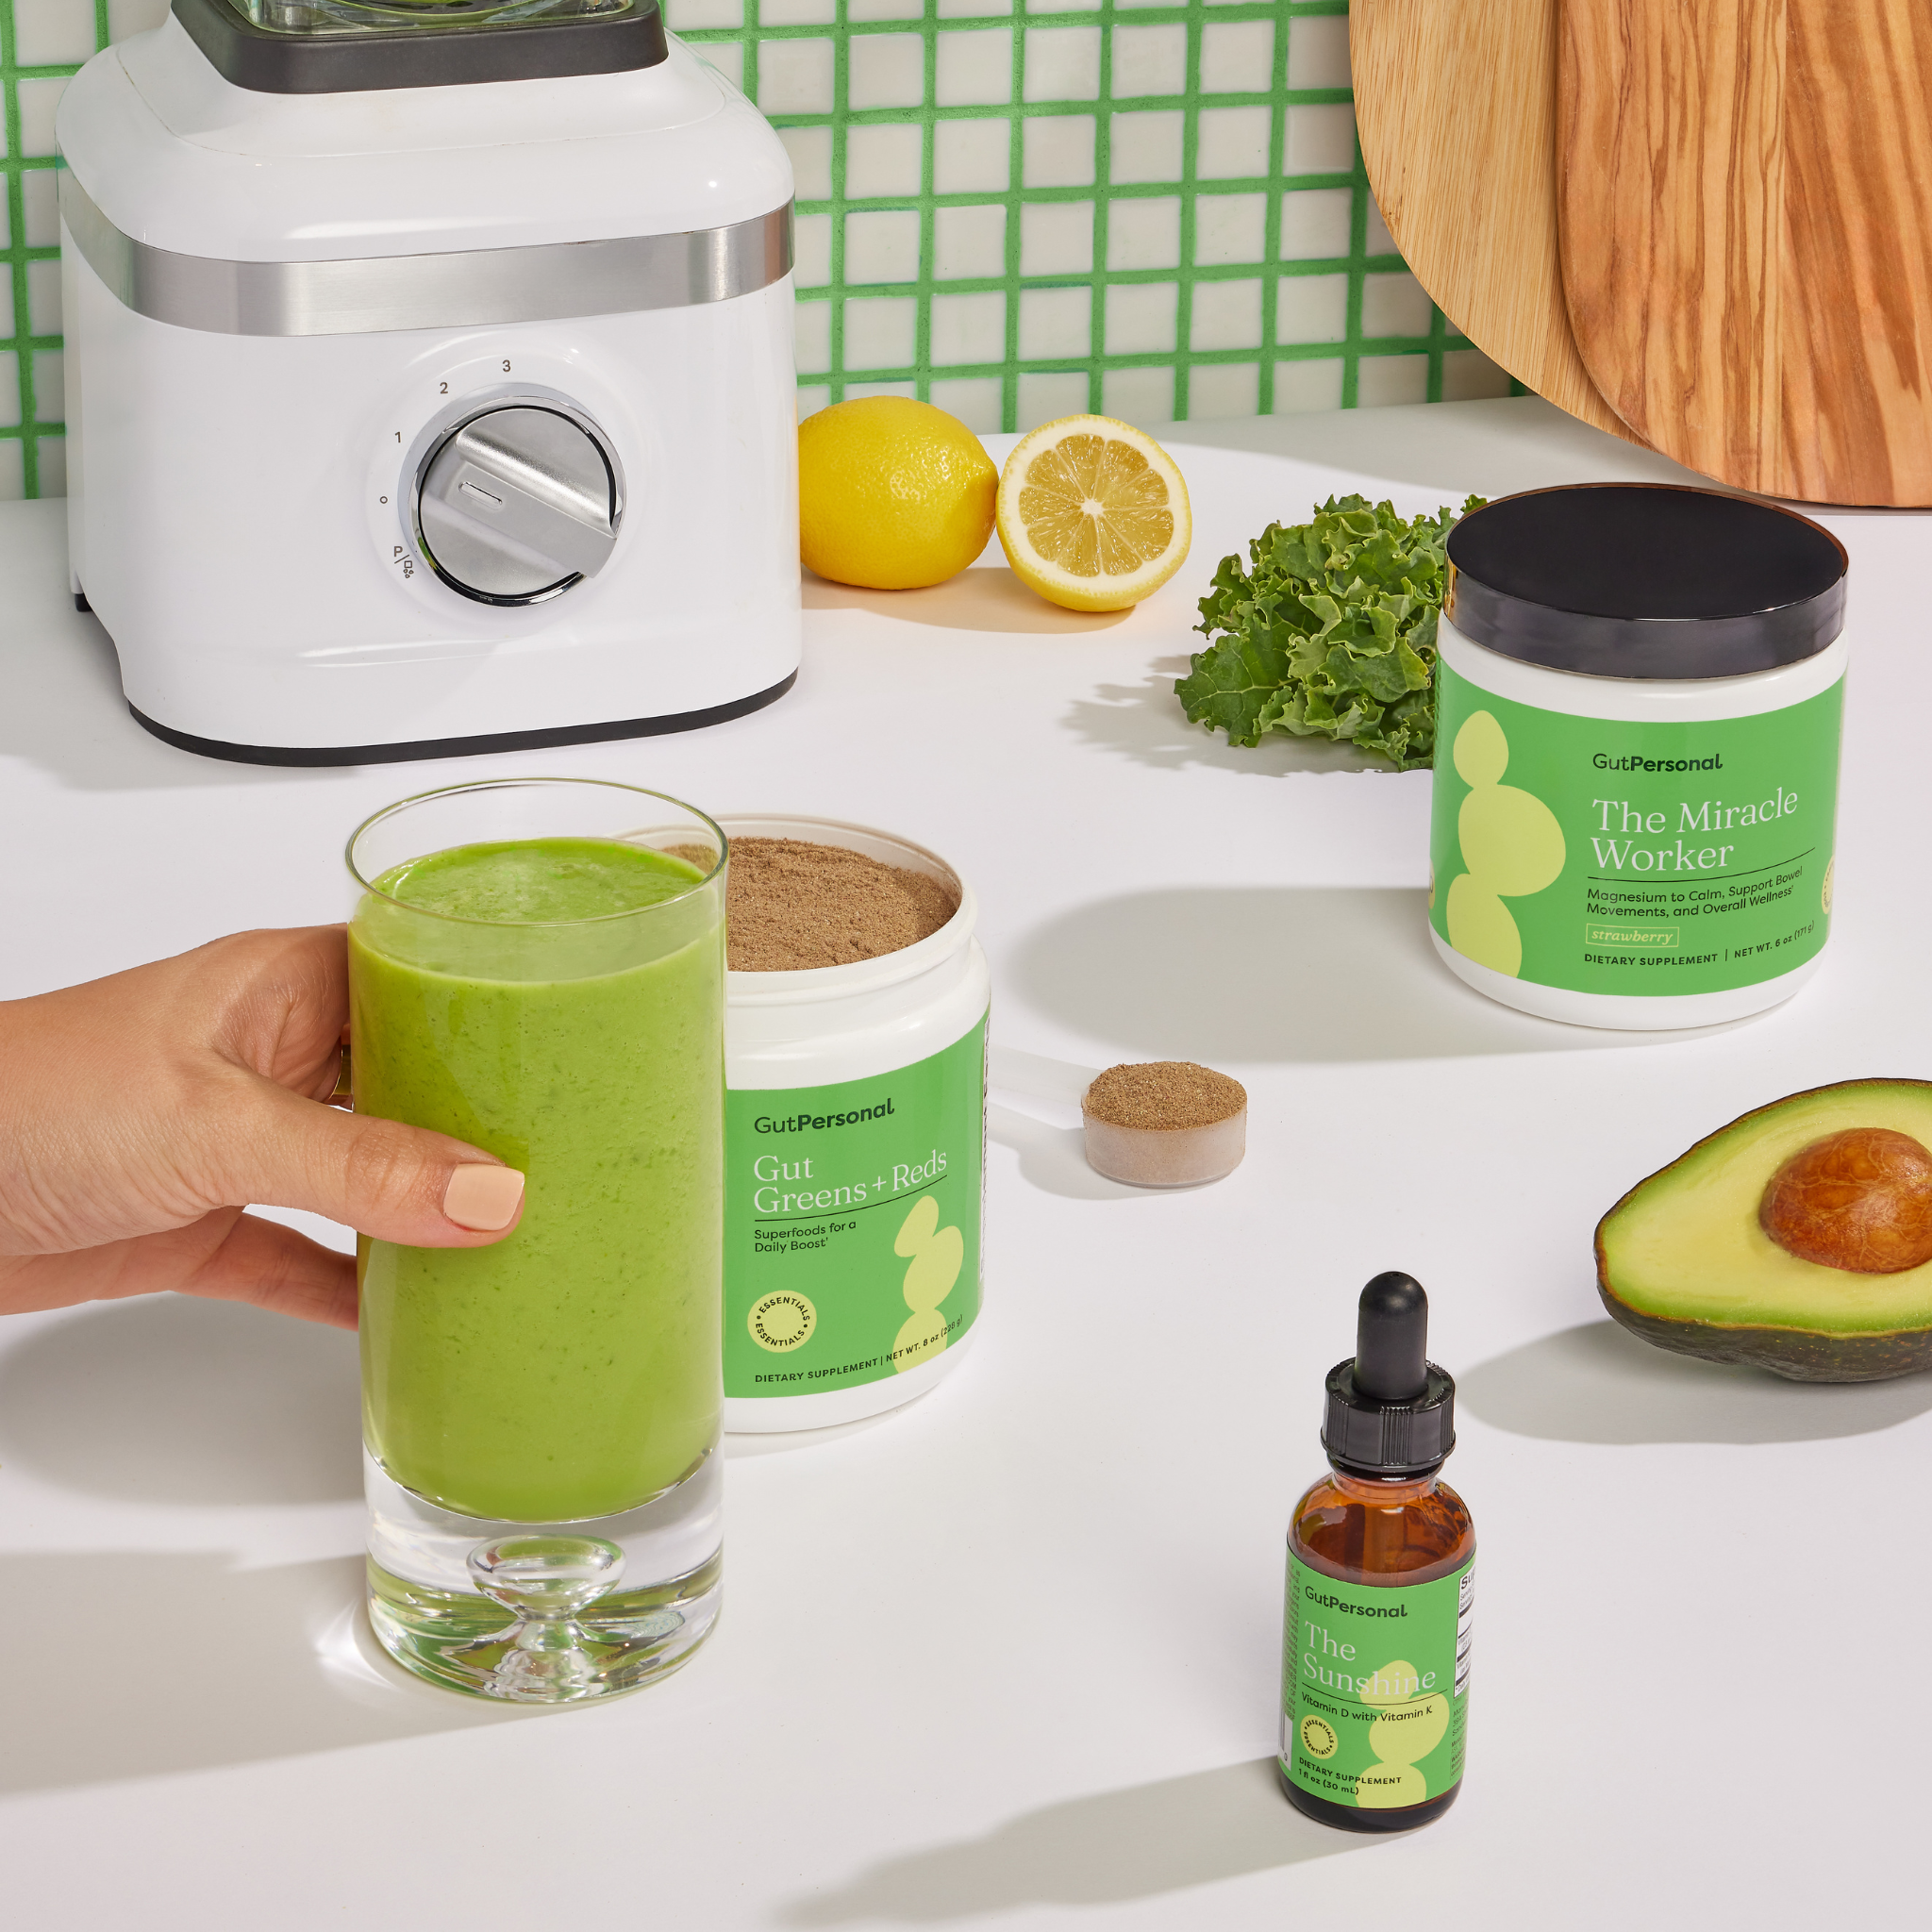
x,y
892,494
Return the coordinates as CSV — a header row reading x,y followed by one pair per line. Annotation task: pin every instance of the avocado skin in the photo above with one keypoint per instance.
x,y
1800,1355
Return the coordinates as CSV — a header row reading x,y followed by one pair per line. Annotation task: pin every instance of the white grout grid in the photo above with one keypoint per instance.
x,y
1156,210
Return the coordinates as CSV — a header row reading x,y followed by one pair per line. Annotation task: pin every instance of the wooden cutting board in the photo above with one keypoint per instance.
x,y
1455,102
1745,201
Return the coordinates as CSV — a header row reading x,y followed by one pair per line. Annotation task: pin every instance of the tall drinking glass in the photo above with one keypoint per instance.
x,y
537,966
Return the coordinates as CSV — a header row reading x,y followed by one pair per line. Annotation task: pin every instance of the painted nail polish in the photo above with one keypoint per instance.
x,y
483,1198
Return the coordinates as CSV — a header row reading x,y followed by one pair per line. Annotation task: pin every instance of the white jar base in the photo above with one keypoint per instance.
x,y
771,1415
1623,1013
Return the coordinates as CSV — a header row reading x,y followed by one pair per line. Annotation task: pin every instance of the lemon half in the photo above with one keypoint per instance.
x,y
892,494
1092,514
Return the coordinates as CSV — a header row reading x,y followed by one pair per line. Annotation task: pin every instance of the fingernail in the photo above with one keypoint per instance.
x,y
483,1198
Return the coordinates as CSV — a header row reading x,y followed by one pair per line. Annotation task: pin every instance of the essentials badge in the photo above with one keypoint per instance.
x,y
782,1321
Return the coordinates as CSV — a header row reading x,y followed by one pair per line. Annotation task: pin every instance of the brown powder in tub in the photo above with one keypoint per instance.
x,y
790,905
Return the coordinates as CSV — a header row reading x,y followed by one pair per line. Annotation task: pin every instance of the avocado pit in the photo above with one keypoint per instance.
x,y
1860,1200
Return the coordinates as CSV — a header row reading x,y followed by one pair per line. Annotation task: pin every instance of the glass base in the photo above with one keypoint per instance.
x,y
461,1639
544,1613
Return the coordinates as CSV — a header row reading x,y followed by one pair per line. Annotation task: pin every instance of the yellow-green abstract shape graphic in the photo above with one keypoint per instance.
x,y
1480,928
1383,1787
1511,845
1409,1727
1406,1733
1393,1683
1481,752
937,1255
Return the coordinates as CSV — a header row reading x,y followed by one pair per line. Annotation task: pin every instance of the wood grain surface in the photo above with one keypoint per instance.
x,y
1455,102
1746,216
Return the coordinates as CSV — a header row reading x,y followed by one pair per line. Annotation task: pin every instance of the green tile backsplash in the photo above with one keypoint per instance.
x,y
1156,210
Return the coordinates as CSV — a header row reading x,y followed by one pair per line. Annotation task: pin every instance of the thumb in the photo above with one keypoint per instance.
x,y
382,1178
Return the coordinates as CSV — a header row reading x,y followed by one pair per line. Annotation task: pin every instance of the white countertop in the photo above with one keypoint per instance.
x,y
1009,1657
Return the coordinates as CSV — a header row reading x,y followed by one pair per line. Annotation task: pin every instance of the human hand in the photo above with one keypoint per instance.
x,y
139,1113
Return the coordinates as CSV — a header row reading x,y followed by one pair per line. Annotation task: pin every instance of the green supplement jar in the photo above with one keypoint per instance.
x,y
1638,696
855,1139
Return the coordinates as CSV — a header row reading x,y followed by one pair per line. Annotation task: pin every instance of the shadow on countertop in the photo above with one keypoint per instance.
x,y
1052,1158
1145,724
983,597
138,1663
1254,975
146,1665
1599,1383
1108,1849
169,1399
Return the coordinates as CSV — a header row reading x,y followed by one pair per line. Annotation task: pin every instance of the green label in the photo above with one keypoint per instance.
x,y
851,1224
1374,1687
1632,858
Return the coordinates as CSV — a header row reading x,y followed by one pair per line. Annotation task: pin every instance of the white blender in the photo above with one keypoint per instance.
x,y
429,378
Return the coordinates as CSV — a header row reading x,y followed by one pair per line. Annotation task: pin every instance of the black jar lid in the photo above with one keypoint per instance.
x,y
1645,580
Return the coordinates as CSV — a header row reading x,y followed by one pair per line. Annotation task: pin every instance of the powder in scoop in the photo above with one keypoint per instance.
x,y
1165,1123
790,905
1164,1094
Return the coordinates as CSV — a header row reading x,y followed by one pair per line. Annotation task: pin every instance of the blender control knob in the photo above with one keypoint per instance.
x,y
518,502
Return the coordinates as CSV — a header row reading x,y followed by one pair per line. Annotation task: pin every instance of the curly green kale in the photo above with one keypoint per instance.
x,y
1330,632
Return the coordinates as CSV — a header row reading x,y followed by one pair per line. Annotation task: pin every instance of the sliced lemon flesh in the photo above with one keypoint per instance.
x,y
1092,514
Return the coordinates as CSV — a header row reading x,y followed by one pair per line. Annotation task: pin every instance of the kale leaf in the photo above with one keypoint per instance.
x,y
1330,632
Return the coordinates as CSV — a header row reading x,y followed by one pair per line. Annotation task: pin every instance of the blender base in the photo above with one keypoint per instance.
x,y
410,750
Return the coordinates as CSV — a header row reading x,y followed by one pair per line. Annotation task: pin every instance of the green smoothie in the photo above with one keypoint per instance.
x,y
559,1001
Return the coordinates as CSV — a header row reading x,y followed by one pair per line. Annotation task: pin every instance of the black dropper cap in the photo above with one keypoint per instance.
x,y
1391,1411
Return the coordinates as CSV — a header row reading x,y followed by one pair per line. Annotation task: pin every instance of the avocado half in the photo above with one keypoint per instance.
x,y
1682,1262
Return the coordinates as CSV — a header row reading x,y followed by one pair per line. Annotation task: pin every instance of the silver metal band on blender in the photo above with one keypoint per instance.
x,y
367,294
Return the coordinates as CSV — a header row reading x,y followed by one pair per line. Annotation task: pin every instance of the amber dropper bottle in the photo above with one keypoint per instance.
x,y
1374,1678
